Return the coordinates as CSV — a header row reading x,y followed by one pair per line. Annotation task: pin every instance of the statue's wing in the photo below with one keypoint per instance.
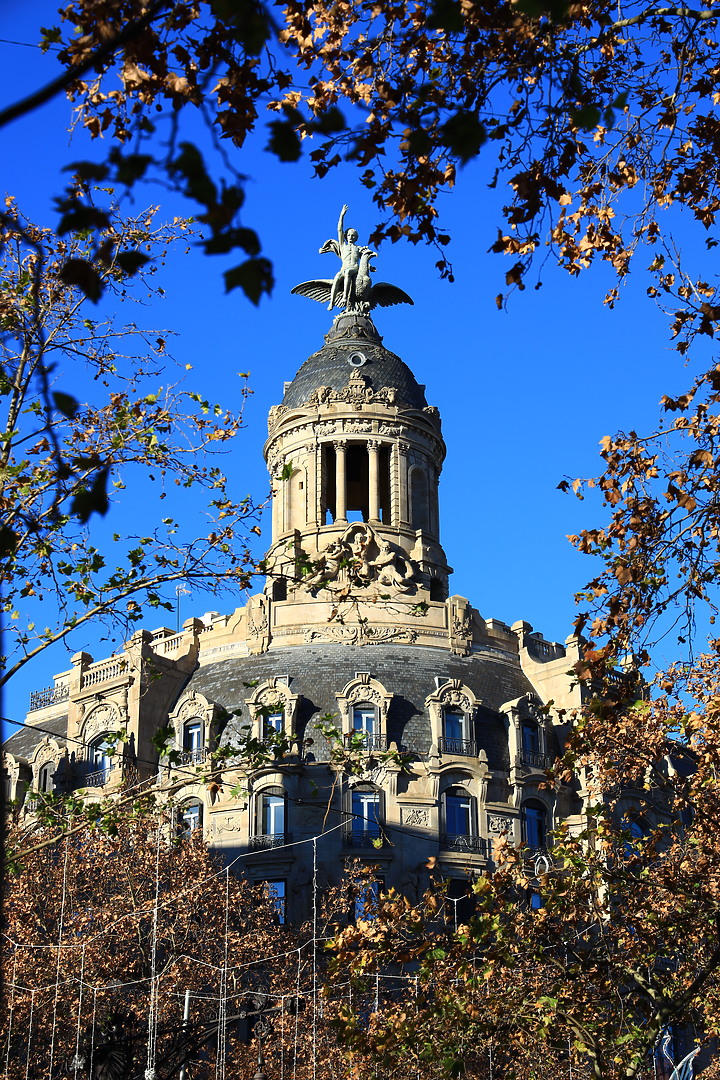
x,y
384,295
316,290
331,245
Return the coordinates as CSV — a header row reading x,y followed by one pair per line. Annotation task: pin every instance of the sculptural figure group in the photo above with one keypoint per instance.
x,y
366,558
351,289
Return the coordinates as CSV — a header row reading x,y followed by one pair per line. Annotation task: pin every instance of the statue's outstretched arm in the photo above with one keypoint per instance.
x,y
341,225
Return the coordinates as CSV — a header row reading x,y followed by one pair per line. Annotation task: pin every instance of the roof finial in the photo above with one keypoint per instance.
x,y
351,289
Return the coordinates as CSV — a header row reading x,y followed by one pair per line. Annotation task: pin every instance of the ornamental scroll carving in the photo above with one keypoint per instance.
x,y
361,634
356,392
499,823
103,717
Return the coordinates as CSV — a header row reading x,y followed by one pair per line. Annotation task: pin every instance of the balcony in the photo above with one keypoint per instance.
x,y
99,778
458,747
362,839
266,842
194,757
470,845
51,695
372,743
533,759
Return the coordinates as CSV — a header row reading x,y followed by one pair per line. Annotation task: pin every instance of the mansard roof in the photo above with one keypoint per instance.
x,y
351,335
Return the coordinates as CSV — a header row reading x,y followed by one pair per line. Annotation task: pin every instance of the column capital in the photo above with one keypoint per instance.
x,y
374,444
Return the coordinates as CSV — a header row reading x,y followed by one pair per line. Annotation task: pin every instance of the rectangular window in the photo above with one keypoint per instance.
x,y
366,814
273,815
366,895
273,725
364,719
277,891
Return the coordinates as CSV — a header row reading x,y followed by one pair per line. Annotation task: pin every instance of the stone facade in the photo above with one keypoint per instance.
x,y
440,710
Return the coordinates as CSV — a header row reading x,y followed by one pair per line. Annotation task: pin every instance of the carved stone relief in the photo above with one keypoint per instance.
x,y
228,823
359,558
102,718
499,823
356,392
361,634
417,816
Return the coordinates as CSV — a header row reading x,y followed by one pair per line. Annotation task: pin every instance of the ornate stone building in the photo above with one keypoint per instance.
x,y
440,710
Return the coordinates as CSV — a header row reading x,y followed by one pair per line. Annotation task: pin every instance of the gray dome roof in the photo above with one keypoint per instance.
x,y
331,366
319,671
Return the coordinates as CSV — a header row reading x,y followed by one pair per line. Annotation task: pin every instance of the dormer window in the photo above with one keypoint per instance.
x,y
456,733
193,742
45,778
365,724
531,744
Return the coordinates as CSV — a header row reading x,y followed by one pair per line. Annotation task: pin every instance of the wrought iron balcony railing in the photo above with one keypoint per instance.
x,y
51,695
458,747
473,845
370,741
362,839
534,759
99,778
267,841
194,757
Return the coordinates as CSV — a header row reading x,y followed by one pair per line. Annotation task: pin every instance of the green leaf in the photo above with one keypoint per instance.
x,y
65,404
463,134
81,273
225,241
284,140
254,277
131,261
446,15
93,500
88,170
79,218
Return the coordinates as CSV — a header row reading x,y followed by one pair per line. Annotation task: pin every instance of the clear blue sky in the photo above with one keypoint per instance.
x,y
525,395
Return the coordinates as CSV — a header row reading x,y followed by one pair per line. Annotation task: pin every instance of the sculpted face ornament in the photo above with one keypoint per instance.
x,y
351,289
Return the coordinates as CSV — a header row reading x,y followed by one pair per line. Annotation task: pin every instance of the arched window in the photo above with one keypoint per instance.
x,y
459,812
366,723
45,778
193,742
365,817
456,733
189,818
101,762
270,818
534,825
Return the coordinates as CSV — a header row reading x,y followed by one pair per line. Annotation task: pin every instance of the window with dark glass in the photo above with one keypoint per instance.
x,y
190,818
45,781
534,821
277,895
365,894
366,817
456,735
271,818
100,761
531,744
459,821
193,740
273,725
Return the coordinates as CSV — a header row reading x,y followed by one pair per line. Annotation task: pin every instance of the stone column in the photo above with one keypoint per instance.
x,y
373,480
401,460
340,488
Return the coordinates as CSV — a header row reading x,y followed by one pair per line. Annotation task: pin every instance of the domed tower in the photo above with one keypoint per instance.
x,y
355,454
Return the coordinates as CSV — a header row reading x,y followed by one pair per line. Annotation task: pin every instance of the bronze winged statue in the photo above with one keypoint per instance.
x,y
352,288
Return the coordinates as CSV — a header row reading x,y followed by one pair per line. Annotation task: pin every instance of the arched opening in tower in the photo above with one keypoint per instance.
x,y
358,483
